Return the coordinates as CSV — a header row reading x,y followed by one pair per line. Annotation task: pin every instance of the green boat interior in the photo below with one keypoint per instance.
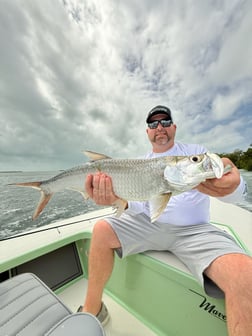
x,y
153,287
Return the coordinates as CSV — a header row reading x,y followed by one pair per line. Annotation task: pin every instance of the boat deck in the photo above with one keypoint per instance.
x,y
121,323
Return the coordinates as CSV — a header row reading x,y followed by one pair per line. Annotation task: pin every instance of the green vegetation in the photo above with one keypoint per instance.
x,y
243,160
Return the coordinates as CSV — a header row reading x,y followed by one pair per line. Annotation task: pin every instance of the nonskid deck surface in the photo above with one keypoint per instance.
x,y
121,322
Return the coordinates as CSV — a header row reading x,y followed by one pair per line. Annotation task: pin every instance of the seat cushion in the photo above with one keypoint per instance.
x,y
80,324
28,307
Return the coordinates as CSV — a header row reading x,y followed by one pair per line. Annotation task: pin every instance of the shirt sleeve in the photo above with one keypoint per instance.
x,y
238,195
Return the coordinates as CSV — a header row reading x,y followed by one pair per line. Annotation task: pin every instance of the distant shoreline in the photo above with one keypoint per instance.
x,y
11,171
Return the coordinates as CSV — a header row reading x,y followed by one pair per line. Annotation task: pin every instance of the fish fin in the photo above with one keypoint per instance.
x,y
84,195
158,204
93,156
82,192
44,199
120,205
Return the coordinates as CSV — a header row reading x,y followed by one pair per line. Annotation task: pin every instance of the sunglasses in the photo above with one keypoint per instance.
x,y
163,122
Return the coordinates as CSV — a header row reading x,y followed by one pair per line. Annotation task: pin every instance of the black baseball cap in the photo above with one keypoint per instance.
x,y
159,109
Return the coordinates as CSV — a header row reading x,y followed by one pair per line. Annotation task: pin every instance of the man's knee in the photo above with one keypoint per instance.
x,y
103,232
231,271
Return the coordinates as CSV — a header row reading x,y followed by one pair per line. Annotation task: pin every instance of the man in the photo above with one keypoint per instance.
x,y
222,267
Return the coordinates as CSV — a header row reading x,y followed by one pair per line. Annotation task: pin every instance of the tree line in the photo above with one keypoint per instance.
x,y
242,160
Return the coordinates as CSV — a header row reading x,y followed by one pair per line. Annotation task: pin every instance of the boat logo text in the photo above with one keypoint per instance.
x,y
210,308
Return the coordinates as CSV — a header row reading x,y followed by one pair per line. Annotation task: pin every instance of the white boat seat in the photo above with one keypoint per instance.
x,y
76,324
29,307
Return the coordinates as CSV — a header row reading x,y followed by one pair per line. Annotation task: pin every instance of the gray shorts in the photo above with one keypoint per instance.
x,y
196,245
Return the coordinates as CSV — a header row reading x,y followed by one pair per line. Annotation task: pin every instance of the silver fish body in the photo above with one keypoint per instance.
x,y
135,179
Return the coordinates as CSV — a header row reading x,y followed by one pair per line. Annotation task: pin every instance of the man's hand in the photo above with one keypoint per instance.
x,y
99,188
223,186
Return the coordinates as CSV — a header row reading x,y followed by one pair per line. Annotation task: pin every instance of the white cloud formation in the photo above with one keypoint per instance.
x,y
225,106
81,75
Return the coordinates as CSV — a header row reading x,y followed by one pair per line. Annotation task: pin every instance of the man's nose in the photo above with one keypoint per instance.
x,y
160,127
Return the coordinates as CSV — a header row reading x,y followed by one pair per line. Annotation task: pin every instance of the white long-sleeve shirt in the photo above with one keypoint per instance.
x,y
190,207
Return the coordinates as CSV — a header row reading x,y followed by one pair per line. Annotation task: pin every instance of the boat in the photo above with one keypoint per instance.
x,y
148,294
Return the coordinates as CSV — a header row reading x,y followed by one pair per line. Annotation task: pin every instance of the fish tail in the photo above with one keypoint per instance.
x,y
44,199
35,185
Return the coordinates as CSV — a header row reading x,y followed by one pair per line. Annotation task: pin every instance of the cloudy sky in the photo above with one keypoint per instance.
x,y
82,74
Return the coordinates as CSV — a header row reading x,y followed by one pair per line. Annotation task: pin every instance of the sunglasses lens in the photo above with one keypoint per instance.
x,y
164,123
153,124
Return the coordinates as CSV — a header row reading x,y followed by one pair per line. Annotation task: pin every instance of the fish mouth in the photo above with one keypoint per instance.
x,y
214,163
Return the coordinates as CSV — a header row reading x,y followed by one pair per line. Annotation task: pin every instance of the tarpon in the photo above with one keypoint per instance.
x,y
154,180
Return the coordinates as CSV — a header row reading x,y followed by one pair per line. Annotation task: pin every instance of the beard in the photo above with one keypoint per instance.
x,y
161,138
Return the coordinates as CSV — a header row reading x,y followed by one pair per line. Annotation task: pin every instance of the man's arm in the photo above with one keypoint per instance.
x,y
224,186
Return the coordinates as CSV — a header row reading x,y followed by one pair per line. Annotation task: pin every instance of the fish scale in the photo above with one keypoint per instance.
x,y
134,179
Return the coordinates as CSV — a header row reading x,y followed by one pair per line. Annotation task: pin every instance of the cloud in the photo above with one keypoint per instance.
x,y
81,75
232,63
225,106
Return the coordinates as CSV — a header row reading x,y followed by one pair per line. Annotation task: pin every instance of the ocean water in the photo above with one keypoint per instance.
x,y
18,204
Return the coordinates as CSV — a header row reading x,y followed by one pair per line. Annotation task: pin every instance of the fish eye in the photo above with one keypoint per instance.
x,y
195,158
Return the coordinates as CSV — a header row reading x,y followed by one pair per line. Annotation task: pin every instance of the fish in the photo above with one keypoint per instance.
x,y
154,180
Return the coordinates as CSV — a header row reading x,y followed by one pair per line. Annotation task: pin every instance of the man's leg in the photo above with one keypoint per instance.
x,y
233,274
100,264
